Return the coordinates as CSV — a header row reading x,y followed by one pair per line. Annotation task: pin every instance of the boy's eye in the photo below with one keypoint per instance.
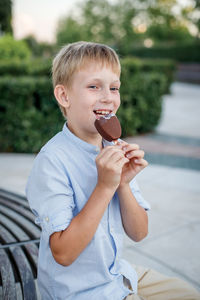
x,y
93,87
114,89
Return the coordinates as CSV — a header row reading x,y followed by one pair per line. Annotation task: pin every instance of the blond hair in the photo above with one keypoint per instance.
x,y
74,57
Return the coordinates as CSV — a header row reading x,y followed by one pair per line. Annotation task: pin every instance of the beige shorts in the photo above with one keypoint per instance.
x,y
153,285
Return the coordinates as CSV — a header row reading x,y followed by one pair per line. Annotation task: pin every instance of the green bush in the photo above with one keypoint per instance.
x,y
39,67
12,49
166,67
29,115
14,67
141,101
189,52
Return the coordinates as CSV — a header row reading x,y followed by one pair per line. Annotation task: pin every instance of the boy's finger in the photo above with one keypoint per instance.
x,y
110,149
121,162
141,162
121,143
106,150
130,147
116,161
135,153
116,156
106,154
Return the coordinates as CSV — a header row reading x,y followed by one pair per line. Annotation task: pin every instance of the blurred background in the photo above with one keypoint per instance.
x,y
158,42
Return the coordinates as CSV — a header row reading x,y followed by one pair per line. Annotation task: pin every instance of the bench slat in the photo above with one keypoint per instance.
x,y
25,272
7,277
30,227
18,208
14,197
14,228
31,249
18,262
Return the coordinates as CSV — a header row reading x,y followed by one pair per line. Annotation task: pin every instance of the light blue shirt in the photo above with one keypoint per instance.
x,y
62,179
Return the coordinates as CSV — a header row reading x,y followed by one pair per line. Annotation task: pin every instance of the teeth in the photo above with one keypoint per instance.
x,y
102,112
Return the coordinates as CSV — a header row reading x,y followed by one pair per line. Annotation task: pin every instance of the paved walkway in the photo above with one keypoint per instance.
x,y
170,183
176,142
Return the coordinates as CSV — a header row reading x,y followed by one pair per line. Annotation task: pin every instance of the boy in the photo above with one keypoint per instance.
x,y
82,189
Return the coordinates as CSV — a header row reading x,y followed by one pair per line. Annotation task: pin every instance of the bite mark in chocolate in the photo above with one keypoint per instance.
x,y
109,127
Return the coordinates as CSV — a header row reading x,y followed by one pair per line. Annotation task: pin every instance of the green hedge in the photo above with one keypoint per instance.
x,y
29,115
10,48
31,67
179,52
141,102
165,67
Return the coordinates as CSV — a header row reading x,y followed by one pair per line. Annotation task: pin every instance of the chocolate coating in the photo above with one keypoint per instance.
x,y
109,127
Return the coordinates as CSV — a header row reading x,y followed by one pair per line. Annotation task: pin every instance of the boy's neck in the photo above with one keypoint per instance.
x,y
94,139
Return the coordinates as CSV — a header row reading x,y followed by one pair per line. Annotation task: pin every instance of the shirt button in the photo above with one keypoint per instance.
x,y
97,150
47,219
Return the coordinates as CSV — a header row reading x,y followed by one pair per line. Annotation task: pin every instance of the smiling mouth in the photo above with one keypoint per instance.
x,y
99,113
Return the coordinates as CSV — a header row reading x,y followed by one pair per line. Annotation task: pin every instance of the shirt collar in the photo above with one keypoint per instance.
x,y
82,144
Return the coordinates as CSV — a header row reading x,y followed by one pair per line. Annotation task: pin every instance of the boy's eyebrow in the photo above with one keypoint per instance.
x,y
99,79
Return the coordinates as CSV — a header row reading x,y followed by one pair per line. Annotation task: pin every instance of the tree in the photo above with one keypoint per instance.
x,y
167,24
69,30
38,49
109,23
191,13
100,21
197,19
5,16
124,24
12,49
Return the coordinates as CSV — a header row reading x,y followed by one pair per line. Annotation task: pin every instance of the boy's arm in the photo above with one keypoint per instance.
x,y
67,245
134,216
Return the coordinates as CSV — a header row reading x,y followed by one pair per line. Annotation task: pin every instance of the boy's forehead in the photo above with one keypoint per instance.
x,y
96,74
89,69
89,65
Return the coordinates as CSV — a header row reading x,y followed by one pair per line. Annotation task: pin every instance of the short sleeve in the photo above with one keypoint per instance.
x,y
138,196
50,193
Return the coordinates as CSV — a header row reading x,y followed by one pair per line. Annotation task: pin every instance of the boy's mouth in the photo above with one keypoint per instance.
x,y
99,113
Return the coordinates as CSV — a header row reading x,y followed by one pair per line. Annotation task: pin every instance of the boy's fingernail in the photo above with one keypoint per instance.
x,y
124,148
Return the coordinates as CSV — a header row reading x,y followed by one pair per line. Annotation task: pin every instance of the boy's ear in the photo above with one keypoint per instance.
x,y
60,93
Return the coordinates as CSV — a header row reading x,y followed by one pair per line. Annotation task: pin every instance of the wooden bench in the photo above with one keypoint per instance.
x,y
19,242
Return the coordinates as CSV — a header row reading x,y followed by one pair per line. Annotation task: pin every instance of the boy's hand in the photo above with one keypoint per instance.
x,y
136,162
109,163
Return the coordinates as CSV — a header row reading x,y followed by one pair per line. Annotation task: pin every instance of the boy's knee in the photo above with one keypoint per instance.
x,y
153,285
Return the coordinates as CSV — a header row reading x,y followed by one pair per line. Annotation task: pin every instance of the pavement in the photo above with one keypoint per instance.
x,y
170,183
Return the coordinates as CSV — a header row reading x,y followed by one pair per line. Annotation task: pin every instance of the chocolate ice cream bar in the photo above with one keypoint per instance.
x,y
109,127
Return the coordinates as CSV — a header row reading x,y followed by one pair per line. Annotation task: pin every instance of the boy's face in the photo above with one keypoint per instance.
x,y
94,91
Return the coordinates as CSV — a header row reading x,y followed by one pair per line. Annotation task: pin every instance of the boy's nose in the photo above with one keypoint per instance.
x,y
106,97
106,100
